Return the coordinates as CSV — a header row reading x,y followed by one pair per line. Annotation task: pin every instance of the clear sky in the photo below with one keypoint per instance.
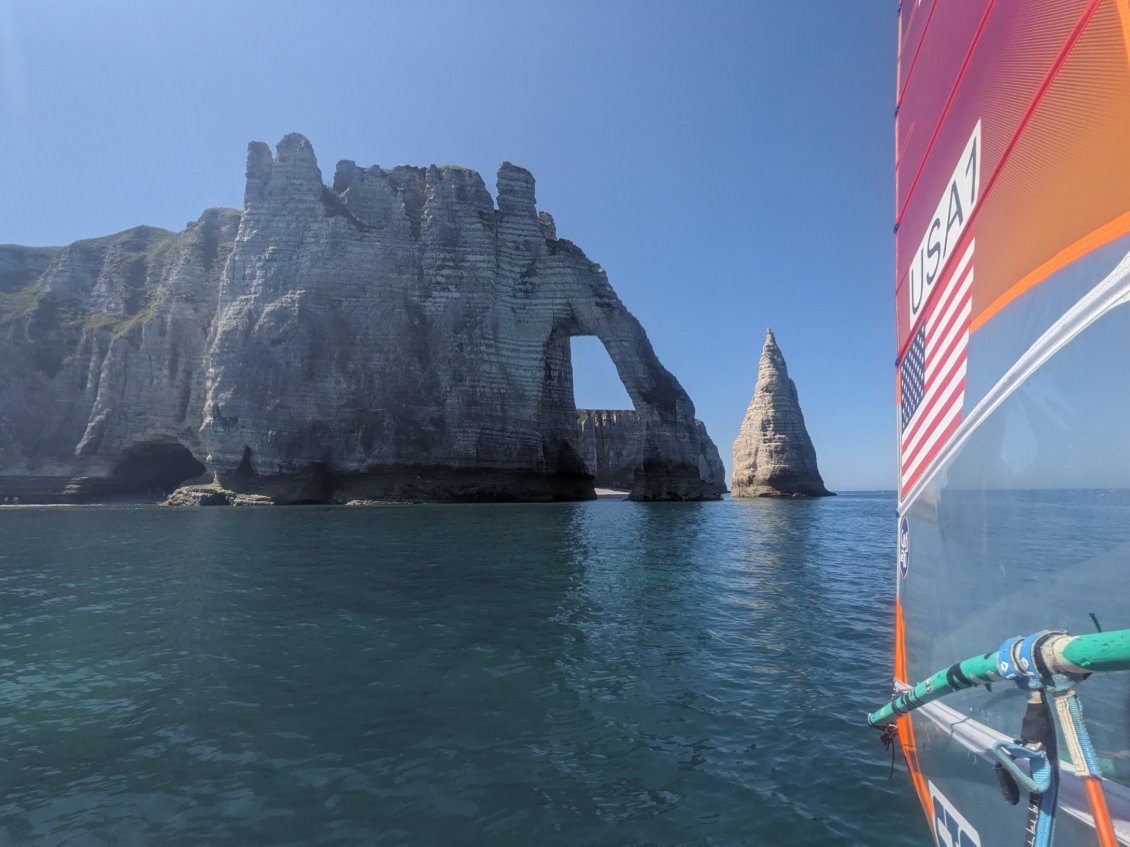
x,y
728,163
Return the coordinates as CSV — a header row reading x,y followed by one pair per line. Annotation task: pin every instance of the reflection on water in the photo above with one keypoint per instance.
x,y
589,673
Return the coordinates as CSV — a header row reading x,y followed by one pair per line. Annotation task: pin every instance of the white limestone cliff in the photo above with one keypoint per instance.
x,y
773,454
399,334
610,441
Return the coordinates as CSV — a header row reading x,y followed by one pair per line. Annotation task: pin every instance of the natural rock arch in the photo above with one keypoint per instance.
x,y
428,329
398,334
661,424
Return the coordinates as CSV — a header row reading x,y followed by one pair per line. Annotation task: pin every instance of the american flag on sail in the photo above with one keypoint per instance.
x,y
932,373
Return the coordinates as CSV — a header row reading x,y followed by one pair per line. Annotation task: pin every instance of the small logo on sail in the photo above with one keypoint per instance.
x,y
951,829
904,547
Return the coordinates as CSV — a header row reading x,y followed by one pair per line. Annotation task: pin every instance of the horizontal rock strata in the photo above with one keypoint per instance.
x,y
103,343
399,335
773,454
612,441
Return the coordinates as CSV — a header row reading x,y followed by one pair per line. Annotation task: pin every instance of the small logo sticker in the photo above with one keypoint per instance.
x,y
904,546
951,829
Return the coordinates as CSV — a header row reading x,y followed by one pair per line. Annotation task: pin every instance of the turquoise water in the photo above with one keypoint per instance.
x,y
601,673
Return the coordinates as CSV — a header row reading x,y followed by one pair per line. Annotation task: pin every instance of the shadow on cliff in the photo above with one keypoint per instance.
x,y
397,335
400,335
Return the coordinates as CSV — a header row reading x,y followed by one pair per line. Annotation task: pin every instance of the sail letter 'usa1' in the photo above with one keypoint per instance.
x,y
1012,294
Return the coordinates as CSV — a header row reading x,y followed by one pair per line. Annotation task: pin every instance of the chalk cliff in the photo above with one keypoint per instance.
x,y
608,444
773,454
398,334
611,443
102,343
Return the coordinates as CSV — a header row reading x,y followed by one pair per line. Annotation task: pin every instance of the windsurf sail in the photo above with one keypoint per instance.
x,y
1012,295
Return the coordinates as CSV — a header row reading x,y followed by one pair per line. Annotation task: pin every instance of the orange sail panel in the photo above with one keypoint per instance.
x,y
1012,304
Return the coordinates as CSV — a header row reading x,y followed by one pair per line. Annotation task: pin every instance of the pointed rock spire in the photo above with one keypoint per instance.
x,y
773,455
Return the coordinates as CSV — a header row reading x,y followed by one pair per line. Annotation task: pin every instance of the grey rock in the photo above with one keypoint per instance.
x,y
211,494
397,336
101,393
200,495
609,445
773,454
612,442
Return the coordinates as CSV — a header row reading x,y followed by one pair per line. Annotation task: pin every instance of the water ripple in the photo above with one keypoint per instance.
x,y
599,673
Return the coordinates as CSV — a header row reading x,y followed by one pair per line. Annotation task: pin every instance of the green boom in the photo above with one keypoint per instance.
x,y
1057,652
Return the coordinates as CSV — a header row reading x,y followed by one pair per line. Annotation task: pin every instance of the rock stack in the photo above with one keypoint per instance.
x,y
773,455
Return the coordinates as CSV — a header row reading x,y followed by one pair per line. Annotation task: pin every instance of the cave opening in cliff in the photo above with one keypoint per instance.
x,y
596,384
154,468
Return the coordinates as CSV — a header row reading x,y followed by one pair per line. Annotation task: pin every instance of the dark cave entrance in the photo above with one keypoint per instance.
x,y
154,468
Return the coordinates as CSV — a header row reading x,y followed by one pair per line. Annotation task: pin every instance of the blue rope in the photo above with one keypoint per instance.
x,y
1045,823
1041,778
1075,708
1063,688
1042,787
1043,784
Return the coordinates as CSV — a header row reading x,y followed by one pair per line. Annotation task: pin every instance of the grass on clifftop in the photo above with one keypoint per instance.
x,y
19,304
131,258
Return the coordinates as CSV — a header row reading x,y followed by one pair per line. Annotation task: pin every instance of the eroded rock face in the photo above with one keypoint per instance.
x,y
773,455
608,445
612,441
399,335
102,344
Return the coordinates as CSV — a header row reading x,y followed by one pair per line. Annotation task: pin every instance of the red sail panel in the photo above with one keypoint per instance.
x,y
1012,128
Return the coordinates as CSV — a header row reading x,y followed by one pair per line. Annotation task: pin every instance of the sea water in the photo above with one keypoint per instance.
x,y
601,673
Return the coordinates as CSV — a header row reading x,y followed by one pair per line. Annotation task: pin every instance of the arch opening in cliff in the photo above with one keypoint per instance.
x,y
596,383
608,427
154,468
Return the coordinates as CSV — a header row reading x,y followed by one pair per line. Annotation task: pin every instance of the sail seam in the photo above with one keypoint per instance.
x,y
1093,240
945,109
1049,78
917,52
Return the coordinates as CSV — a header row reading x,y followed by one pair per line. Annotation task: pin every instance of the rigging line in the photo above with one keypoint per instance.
x,y
945,109
917,52
978,739
1083,756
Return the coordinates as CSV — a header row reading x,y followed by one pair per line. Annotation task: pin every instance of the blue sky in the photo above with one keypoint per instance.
x,y
729,164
